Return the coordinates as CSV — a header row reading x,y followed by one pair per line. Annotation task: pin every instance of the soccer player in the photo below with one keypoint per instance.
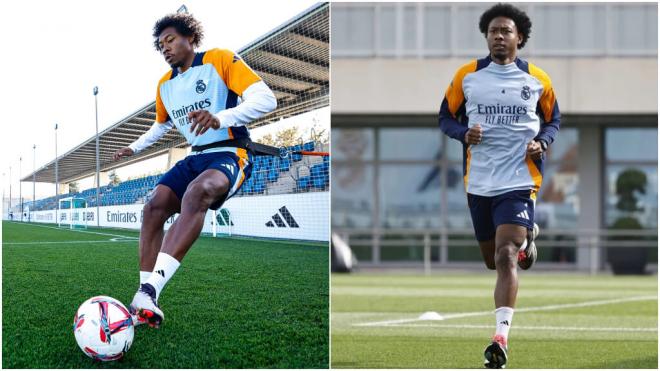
x,y
200,95
504,111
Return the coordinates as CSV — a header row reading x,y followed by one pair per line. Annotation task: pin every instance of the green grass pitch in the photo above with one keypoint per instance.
x,y
234,303
563,320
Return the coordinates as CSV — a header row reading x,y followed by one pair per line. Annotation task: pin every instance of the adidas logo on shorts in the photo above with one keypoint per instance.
x,y
523,215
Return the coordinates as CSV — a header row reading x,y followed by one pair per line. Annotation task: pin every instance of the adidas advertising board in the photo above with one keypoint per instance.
x,y
301,216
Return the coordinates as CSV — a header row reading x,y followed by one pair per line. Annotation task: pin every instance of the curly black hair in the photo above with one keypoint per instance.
x,y
184,23
520,18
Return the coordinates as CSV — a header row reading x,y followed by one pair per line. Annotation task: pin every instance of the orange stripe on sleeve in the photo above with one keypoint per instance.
x,y
454,93
547,100
236,74
161,113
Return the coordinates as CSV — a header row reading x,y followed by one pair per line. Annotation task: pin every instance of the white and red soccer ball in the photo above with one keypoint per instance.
x,y
103,328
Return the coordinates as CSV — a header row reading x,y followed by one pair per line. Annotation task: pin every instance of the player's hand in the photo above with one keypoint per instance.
x,y
534,150
202,120
123,152
474,135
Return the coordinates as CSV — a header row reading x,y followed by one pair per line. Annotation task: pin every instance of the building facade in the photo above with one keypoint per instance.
x,y
395,174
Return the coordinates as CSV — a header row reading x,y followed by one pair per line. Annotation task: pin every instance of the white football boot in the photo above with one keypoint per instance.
x,y
144,307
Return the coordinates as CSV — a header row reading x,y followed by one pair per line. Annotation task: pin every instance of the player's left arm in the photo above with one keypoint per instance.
x,y
257,100
547,109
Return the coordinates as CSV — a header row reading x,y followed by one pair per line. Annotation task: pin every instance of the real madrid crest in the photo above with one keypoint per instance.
x,y
525,94
201,87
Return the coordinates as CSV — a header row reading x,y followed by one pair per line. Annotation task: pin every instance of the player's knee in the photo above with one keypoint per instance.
x,y
200,195
155,211
505,255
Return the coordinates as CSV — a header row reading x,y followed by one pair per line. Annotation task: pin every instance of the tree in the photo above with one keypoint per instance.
x,y
283,138
74,187
114,179
627,183
318,134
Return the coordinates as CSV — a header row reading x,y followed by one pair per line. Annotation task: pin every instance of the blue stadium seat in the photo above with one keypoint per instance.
x,y
272,175
309,146
303,183
296,157
284,164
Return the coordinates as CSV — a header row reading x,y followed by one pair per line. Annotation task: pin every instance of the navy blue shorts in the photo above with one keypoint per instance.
x,y
515,207
185,171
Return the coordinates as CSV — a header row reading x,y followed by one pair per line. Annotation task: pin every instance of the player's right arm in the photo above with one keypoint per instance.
x,y
453,104
152,135
160,127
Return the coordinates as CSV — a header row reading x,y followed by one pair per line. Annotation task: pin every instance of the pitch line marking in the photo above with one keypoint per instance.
x,y
539,328
520,310
65,242
75,230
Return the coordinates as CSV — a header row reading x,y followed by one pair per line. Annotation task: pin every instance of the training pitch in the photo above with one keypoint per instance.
x,y
562,320
233,303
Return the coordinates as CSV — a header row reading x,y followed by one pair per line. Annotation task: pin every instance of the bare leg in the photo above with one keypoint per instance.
x,y
208,187
488,253
508,238
162,205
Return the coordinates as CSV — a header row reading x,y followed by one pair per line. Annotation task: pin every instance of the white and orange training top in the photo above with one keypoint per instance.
x,y
514,104
218,81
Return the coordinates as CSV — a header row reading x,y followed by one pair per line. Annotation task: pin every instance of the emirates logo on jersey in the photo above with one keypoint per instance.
x,y
525,94
201,87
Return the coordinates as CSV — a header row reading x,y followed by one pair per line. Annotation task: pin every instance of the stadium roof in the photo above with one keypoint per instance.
x,y
293,60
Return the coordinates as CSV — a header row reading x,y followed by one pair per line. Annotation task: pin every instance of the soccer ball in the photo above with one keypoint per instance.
x,y
103,328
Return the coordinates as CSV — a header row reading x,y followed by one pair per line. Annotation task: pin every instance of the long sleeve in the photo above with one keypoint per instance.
x,y
257,100
152,135
449,125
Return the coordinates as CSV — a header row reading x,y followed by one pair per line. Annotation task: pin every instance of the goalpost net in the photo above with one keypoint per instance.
x,y
72,213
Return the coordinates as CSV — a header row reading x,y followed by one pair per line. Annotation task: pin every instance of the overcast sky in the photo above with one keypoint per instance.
x,y
55,52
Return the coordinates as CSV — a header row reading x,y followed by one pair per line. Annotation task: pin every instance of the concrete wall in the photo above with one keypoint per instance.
x,y
583,85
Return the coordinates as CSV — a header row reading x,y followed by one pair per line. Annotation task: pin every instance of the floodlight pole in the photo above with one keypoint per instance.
x,y
10,190
57,186
34,177
20,185
96,109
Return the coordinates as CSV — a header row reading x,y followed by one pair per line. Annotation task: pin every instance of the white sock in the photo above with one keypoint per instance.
x,y
144,276
503,317
164,269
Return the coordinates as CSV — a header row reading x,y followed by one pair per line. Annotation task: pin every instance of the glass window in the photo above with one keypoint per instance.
x,y
352,144
387,29
410,28
409,196
454,149
638,144
589,28
552,27
564,147
353,28
458,214
410,144
632,192
632,176
470,40
437,29
636,27
558,202
352,195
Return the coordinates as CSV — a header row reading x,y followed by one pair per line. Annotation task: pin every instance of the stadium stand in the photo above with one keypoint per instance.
x,y
270,175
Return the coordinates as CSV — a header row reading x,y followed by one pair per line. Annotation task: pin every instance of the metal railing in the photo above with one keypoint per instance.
x,y
589,247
